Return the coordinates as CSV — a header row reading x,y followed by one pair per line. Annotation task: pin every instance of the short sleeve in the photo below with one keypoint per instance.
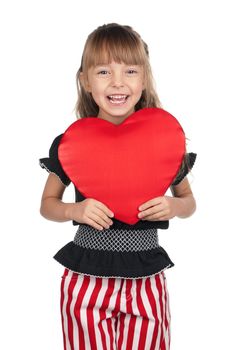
x,y
52,163
186,166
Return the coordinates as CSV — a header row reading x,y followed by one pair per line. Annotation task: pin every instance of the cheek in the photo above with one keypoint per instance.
x,y
138,88
98,95
98,87
95,96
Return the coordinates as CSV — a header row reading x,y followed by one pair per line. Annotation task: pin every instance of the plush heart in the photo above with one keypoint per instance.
x,y
124,165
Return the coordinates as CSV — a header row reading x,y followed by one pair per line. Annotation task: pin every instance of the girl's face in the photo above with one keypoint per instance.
x,y
116,88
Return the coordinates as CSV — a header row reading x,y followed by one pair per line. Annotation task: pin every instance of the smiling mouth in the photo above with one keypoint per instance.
x,y
118,99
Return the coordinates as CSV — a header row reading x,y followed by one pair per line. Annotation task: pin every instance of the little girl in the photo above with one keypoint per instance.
x,y
113,290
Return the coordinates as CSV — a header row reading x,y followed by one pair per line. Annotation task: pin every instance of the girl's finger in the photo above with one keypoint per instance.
x,y
104,208
99,220
150,203
93,223
154,210
156,216
102,215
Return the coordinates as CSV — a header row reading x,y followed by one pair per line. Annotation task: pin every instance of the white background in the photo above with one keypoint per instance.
x,y
190,49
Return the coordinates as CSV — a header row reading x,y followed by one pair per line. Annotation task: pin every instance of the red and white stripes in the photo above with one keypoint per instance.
x,y
115,313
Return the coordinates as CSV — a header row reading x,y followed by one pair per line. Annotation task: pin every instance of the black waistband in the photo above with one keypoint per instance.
x,y
116,239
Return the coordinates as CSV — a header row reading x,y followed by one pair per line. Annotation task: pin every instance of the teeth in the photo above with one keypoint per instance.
x,y
119,97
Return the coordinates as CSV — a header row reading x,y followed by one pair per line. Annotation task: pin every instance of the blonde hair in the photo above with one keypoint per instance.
x,y
119,43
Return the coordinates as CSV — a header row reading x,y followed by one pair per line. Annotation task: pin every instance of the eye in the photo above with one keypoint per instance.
x,y
102,72
132,71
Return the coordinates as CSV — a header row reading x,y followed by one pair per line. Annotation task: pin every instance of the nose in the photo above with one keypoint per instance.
x,y
117,79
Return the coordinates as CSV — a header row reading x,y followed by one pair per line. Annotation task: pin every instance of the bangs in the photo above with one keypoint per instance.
x,y
115,44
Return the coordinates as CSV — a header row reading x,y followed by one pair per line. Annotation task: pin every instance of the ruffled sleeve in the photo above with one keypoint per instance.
x,y
186,166
52,163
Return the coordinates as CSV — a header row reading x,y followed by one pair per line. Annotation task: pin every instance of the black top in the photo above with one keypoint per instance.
x,y
109,263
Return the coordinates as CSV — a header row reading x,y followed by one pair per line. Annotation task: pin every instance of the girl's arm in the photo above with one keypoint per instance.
x,y
52,207
185,202
89,211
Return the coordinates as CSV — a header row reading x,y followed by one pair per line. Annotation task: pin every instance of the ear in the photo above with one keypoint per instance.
x,y
84,82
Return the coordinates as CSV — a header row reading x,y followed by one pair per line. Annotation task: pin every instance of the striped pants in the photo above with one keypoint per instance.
x,y
115,313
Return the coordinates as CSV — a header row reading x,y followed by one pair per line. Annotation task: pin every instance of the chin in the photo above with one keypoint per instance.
x,y
122,112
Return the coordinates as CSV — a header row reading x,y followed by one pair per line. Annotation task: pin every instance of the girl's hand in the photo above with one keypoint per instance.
x,y
182,204
91,212
159,208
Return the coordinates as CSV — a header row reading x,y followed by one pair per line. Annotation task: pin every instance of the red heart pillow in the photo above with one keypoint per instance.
x,y
123,165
